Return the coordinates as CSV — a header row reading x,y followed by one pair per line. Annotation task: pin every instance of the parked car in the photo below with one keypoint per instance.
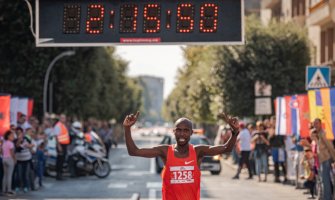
x,y
209,163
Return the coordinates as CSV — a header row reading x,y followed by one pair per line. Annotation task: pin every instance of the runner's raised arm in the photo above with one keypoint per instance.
x,y
207,150
133,150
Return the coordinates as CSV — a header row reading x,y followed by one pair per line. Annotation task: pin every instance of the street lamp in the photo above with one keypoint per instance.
x,y
46,78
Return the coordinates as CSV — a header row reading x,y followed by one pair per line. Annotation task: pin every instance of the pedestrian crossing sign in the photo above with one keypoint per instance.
x,y
317,77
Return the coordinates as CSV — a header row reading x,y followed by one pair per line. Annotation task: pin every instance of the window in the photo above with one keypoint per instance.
x,y
330,45
323,46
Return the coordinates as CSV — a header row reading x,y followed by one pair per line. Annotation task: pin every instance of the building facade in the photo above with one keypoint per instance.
x,y
317,16
152,95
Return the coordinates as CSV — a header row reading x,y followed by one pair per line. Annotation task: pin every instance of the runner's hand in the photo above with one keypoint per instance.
x,y
232,121
130,119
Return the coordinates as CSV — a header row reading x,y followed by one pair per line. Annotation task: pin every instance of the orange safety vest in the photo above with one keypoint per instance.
x,y
63,137
88,137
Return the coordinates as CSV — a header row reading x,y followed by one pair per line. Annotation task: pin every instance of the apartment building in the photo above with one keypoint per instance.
x,y
318,16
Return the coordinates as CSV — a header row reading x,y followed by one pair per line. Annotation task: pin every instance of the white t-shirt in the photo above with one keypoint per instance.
x,y
245,140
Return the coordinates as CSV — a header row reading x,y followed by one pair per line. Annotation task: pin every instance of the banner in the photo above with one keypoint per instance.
x,y
4,113
321,105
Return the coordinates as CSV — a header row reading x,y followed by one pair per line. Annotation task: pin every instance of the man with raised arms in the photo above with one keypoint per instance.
x,y
181,174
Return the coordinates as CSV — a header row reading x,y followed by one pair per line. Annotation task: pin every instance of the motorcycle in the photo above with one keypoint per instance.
x,y
90,158
83,157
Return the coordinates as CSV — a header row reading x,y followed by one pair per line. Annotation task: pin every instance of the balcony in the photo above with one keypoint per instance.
x,y
320,13
270,3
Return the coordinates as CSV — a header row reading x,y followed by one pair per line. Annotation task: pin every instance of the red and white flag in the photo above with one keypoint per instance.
x,y
4,113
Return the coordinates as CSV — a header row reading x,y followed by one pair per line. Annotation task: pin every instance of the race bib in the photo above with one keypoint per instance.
x,y
182,174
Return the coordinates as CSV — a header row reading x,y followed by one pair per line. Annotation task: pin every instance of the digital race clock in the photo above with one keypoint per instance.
x,y
110,22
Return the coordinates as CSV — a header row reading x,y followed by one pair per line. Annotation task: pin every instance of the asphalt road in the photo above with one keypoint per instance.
x,y
132,175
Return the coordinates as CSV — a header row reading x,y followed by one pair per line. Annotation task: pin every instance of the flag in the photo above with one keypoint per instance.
x,y
22,107
303,115
327,108
13,110
30,108
281,127
4,113
292,113
288,112
322,106
293,116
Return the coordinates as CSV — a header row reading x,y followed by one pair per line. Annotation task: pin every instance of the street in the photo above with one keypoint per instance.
x,y
131,175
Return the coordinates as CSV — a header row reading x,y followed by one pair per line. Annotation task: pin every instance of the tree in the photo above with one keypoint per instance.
x,y
276,54
218,78
92,83
193,94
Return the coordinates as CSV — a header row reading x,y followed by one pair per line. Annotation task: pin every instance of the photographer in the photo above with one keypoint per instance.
x,y
260,153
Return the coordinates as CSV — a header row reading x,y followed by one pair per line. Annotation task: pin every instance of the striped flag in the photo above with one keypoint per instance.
x,y
280,116
292,114
322,106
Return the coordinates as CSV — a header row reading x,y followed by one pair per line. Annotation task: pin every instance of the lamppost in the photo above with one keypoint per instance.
x,y
46,78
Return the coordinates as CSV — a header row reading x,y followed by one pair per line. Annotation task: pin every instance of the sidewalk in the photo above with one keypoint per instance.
x,y
270,178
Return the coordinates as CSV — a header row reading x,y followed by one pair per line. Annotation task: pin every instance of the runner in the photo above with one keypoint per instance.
x,y
181,175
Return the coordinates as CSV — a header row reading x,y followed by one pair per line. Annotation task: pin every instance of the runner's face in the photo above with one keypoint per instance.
x,y
182,133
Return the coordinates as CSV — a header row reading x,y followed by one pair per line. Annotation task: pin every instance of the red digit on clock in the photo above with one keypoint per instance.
x,y
208,18
95,19
152,18
185,18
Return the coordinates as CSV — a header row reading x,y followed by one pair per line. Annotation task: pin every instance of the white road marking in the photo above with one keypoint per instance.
x,y
138,173
152,194
136,196
155,185
152,166
123,167
117,185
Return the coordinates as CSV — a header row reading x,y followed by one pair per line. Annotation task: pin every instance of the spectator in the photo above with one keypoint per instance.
x,y
23,156
299,153
308,163
261,147
22,122
277,144
244,141
106,133
8,163
326,153
40,162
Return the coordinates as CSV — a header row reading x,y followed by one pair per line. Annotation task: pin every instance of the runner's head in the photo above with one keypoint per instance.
x,y
183,131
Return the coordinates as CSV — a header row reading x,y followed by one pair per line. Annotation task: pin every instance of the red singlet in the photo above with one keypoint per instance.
x,y
181,176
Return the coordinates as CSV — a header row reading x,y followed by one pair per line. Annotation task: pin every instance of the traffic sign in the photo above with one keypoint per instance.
x,y
105,22
262,89
317,77
263,106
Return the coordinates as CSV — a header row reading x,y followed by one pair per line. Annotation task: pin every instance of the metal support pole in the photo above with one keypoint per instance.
x,y
46,78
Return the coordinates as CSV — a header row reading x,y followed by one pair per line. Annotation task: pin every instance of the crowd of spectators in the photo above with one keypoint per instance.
x,y
304,162
24,150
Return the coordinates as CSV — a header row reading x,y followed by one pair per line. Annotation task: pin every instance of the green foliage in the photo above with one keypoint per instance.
x,y
276,54
193,95
223,77
92,83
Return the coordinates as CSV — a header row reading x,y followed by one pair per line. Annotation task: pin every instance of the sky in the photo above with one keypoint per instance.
x,y
159,61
